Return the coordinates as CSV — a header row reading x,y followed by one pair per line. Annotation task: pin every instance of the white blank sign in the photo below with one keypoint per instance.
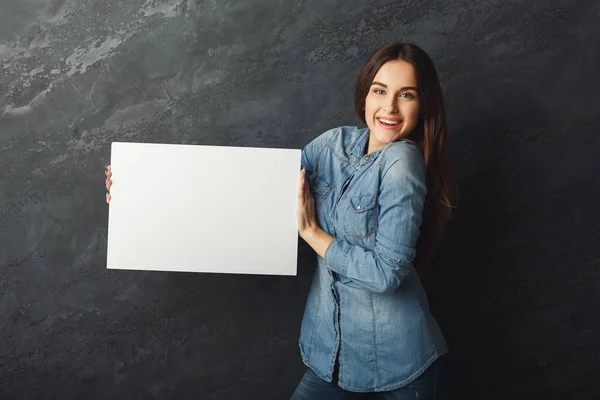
x,y
203,209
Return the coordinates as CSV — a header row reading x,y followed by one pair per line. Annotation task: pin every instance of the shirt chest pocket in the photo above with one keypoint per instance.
x,y
359,215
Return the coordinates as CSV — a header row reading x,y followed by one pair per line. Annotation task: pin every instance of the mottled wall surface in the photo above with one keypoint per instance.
x,y
517,284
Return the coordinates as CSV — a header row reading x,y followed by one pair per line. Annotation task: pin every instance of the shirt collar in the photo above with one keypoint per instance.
x,y
356,149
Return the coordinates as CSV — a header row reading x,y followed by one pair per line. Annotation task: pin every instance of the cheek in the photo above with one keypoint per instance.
x,y
368,107
411,112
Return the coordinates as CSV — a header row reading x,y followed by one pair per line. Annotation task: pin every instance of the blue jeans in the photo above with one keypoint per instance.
x,y
432,384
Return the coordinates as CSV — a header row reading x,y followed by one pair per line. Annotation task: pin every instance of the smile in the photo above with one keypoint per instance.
x,y
388,123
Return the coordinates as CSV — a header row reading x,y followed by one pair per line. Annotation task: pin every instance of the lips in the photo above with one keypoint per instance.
x,y
388,122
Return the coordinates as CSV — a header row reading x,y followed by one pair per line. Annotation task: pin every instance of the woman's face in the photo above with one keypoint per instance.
x,y
392,105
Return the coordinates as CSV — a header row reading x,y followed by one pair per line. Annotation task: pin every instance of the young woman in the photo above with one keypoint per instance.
x,y
372,203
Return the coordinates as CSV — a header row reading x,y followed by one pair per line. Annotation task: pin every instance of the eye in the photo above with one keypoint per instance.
x,y
378,91
407,95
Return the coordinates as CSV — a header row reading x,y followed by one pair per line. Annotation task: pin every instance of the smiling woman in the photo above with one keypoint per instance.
x,y
372,203
392,104
384,193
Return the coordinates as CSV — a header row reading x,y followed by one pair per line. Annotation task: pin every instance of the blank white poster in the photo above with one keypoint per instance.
x,y
203,209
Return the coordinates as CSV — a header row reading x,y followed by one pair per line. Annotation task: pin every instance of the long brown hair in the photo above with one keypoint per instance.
x,y
430,134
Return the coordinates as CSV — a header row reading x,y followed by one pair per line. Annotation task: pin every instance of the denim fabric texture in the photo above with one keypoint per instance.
x,y
366,304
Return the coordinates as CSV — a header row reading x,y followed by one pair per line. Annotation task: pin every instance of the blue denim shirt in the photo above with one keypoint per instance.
x,y
366,303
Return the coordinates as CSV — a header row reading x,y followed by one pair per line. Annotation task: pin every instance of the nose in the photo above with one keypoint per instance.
x,y
391,105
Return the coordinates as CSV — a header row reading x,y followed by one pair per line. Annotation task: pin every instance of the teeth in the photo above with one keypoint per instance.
x,y
385,121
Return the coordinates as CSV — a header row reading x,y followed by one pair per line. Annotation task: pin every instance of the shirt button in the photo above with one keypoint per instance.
x,y
358,208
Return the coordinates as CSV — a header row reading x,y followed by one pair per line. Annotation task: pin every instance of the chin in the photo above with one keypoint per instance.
x,y
387,137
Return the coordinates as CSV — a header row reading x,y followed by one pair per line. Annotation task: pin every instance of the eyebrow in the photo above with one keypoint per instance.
x,y
402,88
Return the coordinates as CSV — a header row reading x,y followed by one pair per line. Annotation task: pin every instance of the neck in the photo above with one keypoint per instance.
x,y
370,146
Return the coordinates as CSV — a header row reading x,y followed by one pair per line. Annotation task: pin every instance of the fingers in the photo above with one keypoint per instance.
x,y
307,195
301,185
108,174
306,189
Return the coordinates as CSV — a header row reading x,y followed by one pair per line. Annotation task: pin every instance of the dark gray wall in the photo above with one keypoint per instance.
x,y
516,288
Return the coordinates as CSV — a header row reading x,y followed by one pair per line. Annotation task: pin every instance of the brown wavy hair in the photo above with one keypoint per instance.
x,y
429,134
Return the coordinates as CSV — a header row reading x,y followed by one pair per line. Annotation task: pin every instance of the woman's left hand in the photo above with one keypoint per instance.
x,y
307,220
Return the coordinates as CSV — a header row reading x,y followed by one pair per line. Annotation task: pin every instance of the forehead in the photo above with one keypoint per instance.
x,y
396,73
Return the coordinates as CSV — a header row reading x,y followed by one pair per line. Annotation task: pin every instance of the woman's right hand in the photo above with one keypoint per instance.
x,y
108,174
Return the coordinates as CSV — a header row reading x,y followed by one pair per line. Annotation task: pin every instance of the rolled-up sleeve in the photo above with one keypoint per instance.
x,y
401,197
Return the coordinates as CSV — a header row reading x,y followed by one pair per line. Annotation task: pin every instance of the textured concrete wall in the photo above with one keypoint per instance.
x,y
517,287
